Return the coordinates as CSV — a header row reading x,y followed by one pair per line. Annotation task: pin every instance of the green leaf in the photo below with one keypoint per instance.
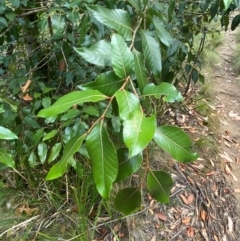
x,y
235,22
128,200
116,123
73,16
6,158
42,152
159,185
122,58
54,152
164,36
140,70
107,83
46,102
136,4
50,135
104,159
152,55
67,101
171,7
127,166
98,54
91,110
15,3
72,146
176,142
116,19
138,131
169,92
227,3
3,23
32,159
58,23
6,134
127,103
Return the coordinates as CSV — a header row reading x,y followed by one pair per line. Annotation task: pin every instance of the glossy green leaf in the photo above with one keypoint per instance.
x,y
227,3
107,83
138,131
140,70
152,55
235,22
117,19
127,103
103,156
164,36
58,23
73,16
122,58
167,90
6,158
55,150
176,142
32,159
72,146
128,200
42,151
50,135
6,134
98,54
127,166
67,101
159,185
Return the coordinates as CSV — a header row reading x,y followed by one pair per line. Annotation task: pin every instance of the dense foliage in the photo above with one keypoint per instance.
x,y
87,80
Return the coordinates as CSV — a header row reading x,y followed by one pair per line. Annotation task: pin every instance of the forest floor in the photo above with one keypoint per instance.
x,y
204,203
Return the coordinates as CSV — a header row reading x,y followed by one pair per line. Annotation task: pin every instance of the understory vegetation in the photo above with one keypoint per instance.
x,y
85,89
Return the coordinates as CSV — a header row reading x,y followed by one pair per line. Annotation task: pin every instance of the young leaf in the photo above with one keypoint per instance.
x,y
70,149
159,185
169,91
42,152
116,19
176,142
128,200
68,100
127,166
164,36
98,54
104,159
122,58
50,135
6,134
54,152
127,103
6,158
152,55
138,131
107,83
140,70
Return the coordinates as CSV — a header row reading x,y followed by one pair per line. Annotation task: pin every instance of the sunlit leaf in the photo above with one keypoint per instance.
x,y
50,135
6,158
128,200
42,152
55,150
176,142
122,58
6,134
67,101
127,103
117,19
58,23
138,131
167,90
98,54
159,185
103,156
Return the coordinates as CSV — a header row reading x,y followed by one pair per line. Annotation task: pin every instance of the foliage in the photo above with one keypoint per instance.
x,y
81,79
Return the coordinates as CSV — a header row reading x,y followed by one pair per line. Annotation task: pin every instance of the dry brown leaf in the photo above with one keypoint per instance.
x,y
25,87
184,199
226,157
228,171
227,144
26,210
232,114
27,97
186,220
62,65
154,238
190,231
230,225
190,198
237,190
203,215
162,216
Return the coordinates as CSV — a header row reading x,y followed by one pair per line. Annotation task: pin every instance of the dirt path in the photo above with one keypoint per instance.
x,y
227,101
